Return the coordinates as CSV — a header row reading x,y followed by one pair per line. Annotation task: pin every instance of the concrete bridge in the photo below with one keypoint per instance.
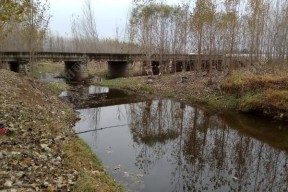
x,y
119,65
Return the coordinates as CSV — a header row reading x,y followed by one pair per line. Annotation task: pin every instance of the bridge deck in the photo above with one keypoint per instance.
x,y
64,56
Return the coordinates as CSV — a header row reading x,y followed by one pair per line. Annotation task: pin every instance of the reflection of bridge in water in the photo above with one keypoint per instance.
x,y
95,96
119,65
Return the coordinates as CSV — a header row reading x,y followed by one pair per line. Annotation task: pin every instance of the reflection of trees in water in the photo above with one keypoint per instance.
x,y
154,126
154,121
93,117
219,158
205,153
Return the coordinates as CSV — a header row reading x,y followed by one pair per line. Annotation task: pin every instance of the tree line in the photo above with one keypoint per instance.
x,y
255,30
24,26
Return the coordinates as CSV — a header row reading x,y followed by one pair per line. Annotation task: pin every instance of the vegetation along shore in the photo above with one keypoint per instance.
x,y
258,94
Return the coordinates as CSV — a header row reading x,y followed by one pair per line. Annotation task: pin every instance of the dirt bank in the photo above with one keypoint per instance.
x,y
265,94
40,152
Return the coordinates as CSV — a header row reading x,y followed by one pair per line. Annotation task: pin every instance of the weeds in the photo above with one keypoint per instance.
x,y
57,87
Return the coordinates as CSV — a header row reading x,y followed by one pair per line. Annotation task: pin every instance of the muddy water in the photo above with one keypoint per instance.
x,y
155,145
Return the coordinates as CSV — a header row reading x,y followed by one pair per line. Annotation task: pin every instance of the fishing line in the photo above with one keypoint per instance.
x,y
102,128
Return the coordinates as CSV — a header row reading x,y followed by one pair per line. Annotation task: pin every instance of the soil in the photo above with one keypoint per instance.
x,y
37,149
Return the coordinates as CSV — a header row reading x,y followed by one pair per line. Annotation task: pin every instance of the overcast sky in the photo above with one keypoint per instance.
x,y
109,14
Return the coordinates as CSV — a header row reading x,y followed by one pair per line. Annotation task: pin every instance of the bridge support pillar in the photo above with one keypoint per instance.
x,y
4,65
76,70
119,69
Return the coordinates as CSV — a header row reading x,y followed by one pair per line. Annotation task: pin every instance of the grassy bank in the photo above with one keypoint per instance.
x,y
43,67
265,94
40,150
242,91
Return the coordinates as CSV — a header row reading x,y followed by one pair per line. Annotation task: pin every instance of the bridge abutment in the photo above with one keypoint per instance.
x,y
119,69
4,65
76,70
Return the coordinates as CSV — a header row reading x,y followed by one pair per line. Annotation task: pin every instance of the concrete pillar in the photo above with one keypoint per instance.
x,y
23,68
172,66
118,69
4,65
76,71
165,68
130,68
136,68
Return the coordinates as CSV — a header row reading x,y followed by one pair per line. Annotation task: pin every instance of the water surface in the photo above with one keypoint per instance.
x,y
160,145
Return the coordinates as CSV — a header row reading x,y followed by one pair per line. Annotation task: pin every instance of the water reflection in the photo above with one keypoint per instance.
x,y
50,77
92,89
169,146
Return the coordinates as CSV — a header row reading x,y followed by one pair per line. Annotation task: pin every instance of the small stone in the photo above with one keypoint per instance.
x,y
235,178
46,184
17,182
58,158
1,155
20,174
149,81
8,183
70,182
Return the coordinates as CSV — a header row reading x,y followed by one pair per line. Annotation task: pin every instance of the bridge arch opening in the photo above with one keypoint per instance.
x,y
14,66
155,67
118,69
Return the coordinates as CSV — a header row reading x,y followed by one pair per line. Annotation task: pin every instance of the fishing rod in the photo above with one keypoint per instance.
x,y
102,128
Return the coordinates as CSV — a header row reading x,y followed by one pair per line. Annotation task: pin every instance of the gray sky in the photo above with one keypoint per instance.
x,y
109,14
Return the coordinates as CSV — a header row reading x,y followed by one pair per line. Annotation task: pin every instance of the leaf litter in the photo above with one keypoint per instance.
x,y
31,157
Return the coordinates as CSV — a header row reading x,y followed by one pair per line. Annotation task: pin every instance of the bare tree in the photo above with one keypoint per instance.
x,y
84,29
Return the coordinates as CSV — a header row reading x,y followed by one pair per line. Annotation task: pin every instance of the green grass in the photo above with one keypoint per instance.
x,y
46,67
221,101
57,87
124,83
251,102
267,93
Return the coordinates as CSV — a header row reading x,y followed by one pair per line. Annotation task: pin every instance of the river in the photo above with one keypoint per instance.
x,y
155,145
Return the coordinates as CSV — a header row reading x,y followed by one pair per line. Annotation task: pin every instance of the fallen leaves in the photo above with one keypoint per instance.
x,y
31,158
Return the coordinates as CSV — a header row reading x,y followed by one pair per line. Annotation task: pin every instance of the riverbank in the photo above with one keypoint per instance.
x,y
40,151
265,94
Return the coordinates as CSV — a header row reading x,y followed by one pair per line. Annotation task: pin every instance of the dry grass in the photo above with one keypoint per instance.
x,y
265,93
243,90
268,101
242,82
92,175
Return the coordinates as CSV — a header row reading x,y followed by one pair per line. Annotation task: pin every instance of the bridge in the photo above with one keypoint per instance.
x,y
119,64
